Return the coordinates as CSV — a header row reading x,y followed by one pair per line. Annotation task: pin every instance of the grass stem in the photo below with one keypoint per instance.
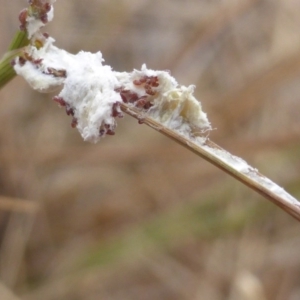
x,y
254,180
7,73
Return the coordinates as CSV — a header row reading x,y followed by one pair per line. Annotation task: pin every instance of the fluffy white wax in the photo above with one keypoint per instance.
x,y
91,89
173,105
33,25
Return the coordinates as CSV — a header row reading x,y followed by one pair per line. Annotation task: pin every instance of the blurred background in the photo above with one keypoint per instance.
x,y
137,216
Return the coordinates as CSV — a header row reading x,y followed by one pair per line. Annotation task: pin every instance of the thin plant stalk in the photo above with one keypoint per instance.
x,y
292,208
7,73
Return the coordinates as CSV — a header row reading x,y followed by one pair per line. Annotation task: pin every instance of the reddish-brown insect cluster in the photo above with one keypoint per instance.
x,y
109,129
127,96
62,73
37,9
44,18
143,102
132,97
40,3
22,61
74,122
22,18
59,100
69,110
148,83
116,111
57,72
106,129
26,57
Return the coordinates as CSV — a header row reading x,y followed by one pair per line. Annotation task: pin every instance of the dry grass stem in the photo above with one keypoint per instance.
x,y
285,201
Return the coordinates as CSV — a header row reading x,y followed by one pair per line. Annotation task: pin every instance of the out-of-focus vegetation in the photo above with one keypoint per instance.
x,y
137,216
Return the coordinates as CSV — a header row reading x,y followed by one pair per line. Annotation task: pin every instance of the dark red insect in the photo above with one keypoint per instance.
x,y
147,105
136,82
59,100
23,16
106,129
132,97
37,61
154,81
149,90
57,73
110,132
127,96
22,60
149,80
26,57
69,110
44,18
39,10
47,7
74,122
140,81
124,98
141,102
116,111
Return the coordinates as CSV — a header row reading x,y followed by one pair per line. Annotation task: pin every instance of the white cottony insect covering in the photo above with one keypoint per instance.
x,y
34,25
90,89
174,106
91,93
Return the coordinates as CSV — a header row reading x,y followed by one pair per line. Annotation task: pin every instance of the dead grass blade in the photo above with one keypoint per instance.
x,y
210,152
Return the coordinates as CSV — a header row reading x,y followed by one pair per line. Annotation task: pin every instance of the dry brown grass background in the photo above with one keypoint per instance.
x,y
137,216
